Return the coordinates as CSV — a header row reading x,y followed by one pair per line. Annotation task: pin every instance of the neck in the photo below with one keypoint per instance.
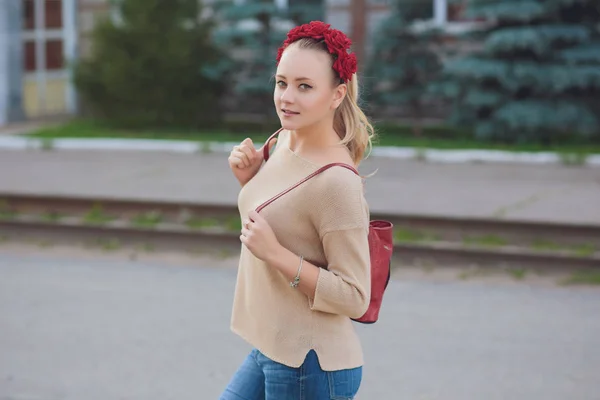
x,y
313,138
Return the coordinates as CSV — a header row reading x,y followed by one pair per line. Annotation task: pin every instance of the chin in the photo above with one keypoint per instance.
x,y
289,125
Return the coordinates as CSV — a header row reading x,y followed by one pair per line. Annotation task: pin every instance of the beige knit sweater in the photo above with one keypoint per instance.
x,y
326,220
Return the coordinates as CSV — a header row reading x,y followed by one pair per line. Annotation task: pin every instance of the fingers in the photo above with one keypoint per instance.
x,y
249,154
244,154
246,229
239,158
248,224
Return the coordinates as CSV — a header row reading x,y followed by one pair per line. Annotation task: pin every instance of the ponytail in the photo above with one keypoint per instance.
x,y
352,125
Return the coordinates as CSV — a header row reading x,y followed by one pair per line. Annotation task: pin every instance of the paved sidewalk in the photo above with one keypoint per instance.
x,y
516,192
76,328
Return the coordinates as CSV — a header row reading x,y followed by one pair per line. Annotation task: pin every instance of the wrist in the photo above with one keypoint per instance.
x,y
288,264
276,256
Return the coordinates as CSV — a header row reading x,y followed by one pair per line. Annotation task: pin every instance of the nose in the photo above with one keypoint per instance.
x,y
286,95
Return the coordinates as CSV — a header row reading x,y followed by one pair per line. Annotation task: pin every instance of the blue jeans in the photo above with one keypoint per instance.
x,y
260,378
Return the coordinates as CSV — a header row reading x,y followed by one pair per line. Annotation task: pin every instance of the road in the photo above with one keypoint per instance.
x,y
547,193
75,326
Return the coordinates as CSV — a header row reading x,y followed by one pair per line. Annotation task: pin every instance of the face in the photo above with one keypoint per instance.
x,y
305,93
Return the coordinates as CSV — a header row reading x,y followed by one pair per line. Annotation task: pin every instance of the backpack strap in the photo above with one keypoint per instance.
x,y
317,172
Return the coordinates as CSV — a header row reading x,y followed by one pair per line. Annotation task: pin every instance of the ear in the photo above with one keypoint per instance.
x,y
339,94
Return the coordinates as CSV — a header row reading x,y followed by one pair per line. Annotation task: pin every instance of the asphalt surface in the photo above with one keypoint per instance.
x,y
82,327
552,193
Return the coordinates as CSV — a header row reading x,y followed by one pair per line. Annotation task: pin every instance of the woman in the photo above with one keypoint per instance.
x,y
304,268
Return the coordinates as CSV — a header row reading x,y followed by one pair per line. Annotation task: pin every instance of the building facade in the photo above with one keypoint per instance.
x,y
39,41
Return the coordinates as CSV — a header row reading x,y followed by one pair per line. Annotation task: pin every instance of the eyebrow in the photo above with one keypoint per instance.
x,y
302,78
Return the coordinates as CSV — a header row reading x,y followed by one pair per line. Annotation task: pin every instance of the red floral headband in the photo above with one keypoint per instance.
x,y
337,42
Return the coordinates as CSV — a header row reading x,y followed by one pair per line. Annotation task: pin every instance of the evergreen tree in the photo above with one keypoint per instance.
x,y
251,32
151,68
303,11
537,78
404,60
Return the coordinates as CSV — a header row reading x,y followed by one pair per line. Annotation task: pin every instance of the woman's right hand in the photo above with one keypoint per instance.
x,y
245,160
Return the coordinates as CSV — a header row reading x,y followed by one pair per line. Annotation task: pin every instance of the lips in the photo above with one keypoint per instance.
x,y
289,112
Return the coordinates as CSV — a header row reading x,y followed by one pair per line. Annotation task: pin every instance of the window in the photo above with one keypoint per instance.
x,y
52,11
29,55
28,14
54,55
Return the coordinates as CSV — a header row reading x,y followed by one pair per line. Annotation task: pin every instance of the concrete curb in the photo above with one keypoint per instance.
x,y
190,147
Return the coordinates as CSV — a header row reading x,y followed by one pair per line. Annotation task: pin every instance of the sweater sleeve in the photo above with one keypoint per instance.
x,y
345,286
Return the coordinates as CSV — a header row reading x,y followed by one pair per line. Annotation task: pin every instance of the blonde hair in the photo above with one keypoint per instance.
x,y
350,122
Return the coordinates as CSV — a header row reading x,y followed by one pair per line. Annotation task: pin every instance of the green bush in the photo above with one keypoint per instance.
x,y
151,67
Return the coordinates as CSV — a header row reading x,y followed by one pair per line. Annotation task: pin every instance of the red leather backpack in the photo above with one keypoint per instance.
x,y
380,244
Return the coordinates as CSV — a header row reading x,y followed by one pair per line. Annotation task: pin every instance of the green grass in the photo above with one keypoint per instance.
x,y
579,250
92,130
518,273
231,223
573,158
201,223
545,245
234,223
584,250
147,220
45,243
52,216
47,144
6,212
7,215
109,244
407,235
145,247
485,241
435,137
583,277
96,216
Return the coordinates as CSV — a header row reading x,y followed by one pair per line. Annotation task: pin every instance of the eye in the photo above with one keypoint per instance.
x,y
304,86
280,83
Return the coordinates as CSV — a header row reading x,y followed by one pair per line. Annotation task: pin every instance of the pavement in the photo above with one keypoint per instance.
x,y
100,327
508,191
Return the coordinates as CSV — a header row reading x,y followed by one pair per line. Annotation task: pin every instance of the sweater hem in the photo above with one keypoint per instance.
x,y
288,364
